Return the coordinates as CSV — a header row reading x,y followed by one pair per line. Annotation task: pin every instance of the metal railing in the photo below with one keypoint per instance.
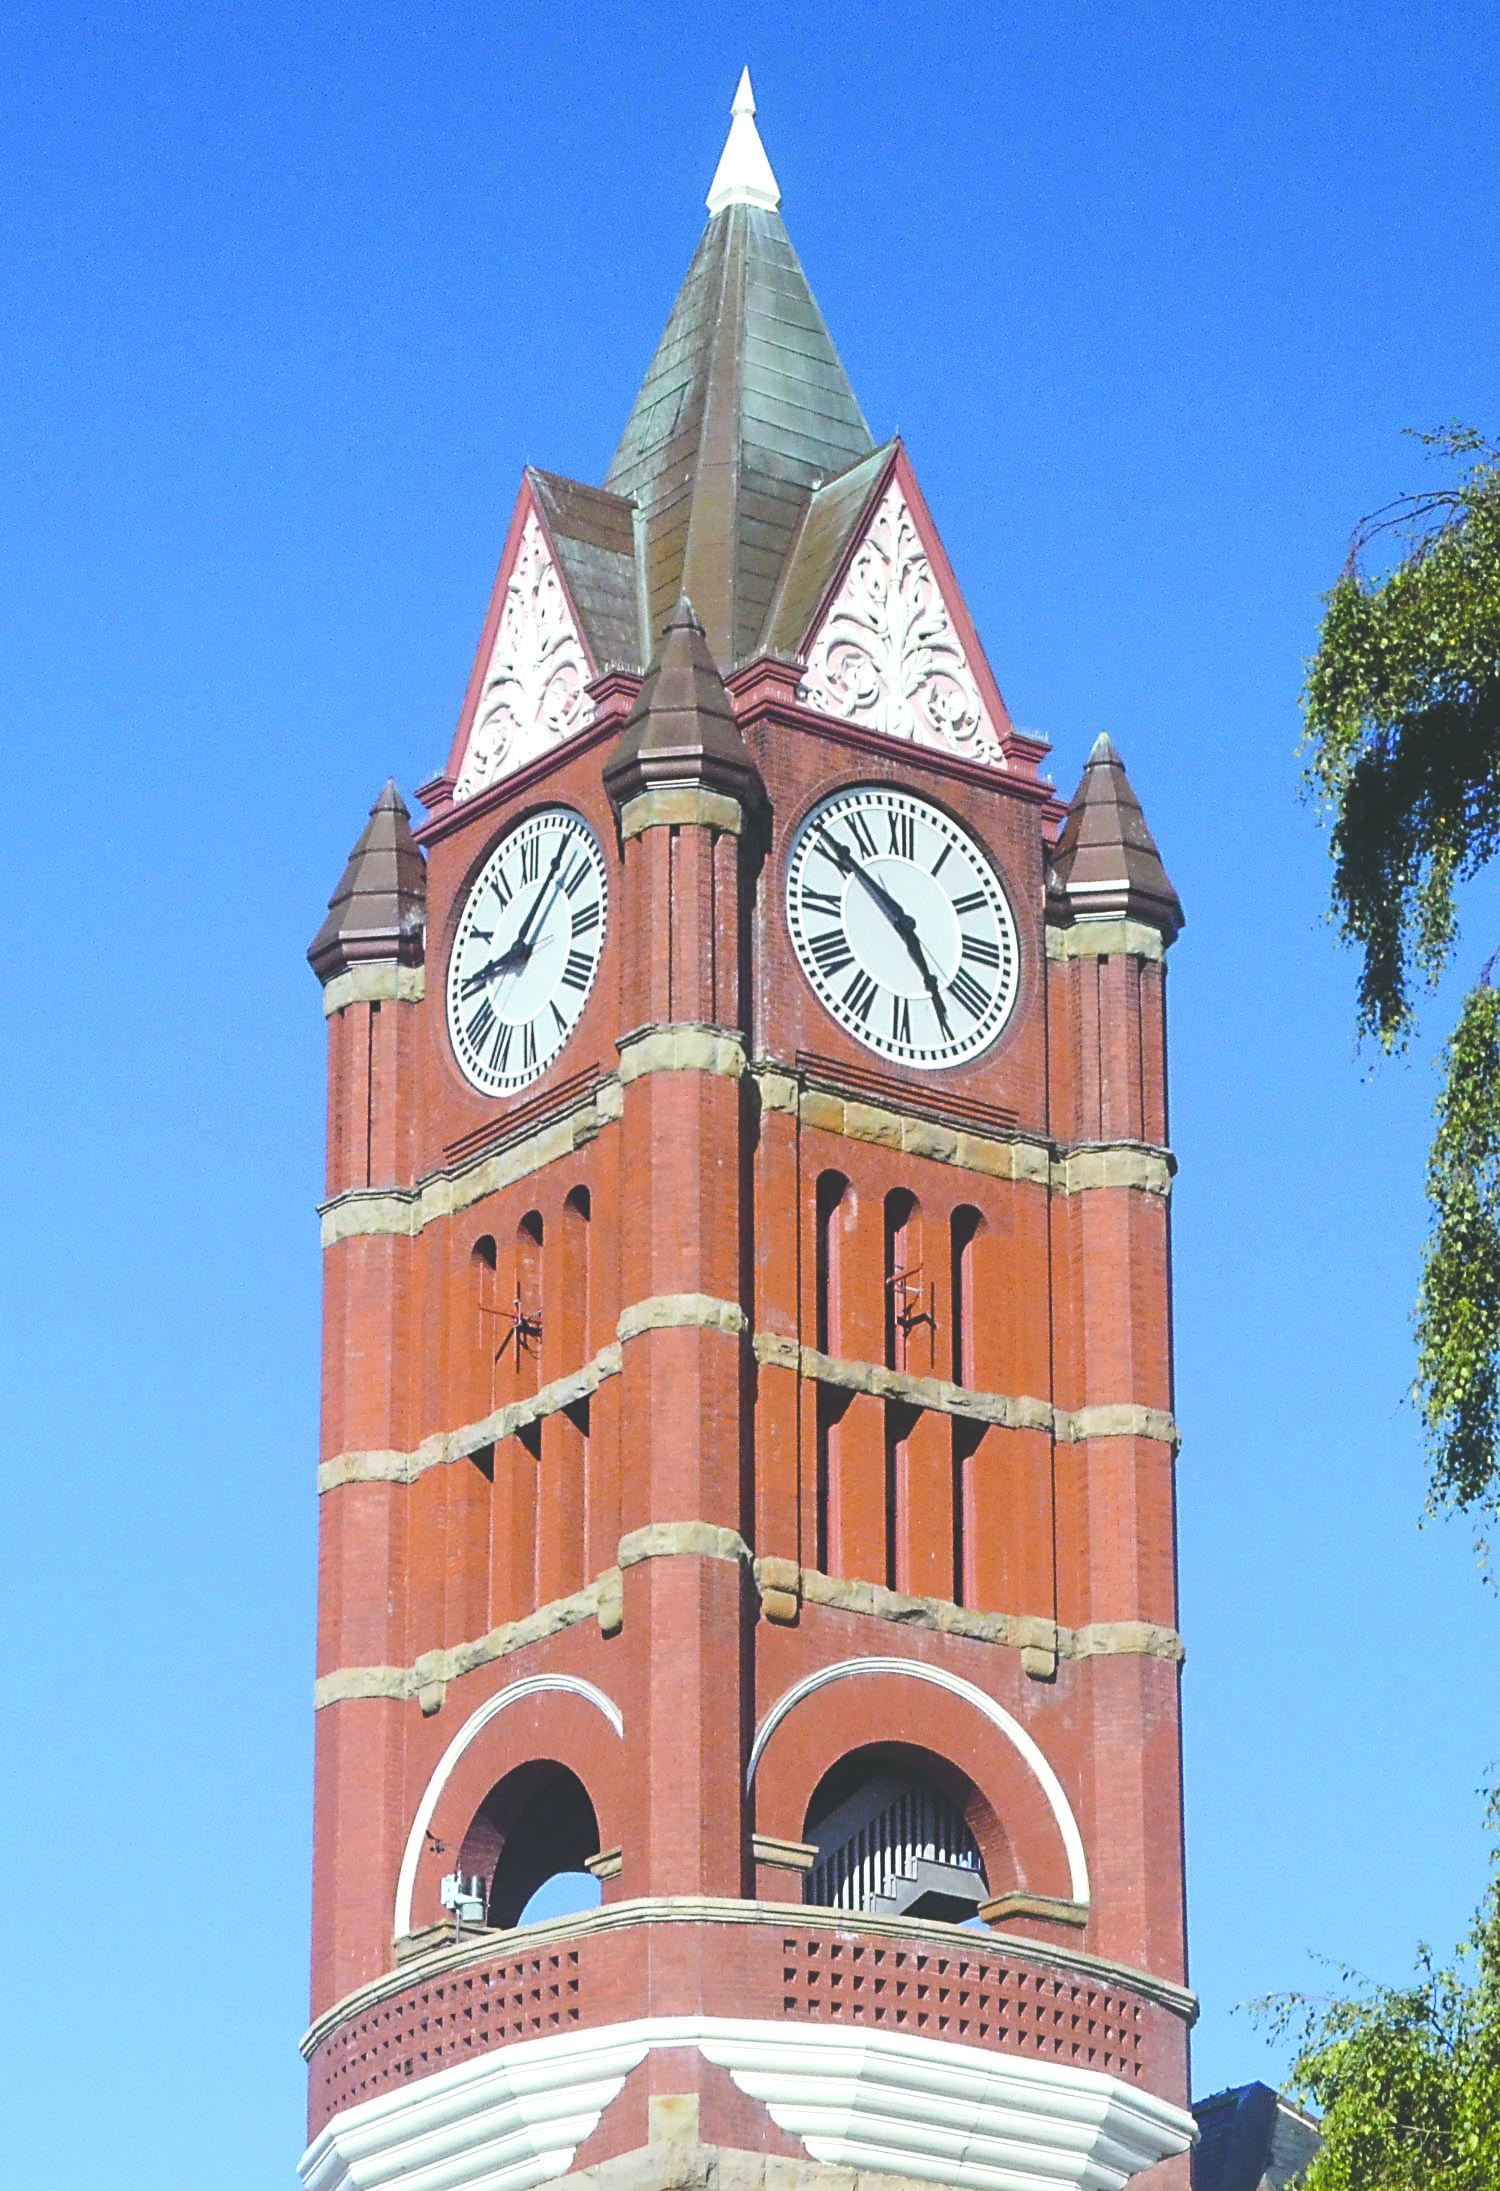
x,y
881,1853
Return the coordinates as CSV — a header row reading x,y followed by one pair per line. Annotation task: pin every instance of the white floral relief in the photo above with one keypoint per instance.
x,y
886,654
534,693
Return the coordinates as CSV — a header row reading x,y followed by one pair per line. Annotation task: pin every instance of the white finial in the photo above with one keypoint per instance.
x,y
743,175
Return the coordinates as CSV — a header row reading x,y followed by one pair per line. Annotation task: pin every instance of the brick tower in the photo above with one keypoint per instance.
x,y
747,1729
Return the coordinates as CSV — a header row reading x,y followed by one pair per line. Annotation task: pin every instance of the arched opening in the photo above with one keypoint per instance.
x,y
484,1321
892,1828
530,1842
832,1189
964,1228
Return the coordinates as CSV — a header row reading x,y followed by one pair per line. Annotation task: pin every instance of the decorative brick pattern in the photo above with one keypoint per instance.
x,y
437,2024
961,1997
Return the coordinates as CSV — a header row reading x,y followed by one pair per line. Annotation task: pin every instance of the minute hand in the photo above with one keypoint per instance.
x,y
902,921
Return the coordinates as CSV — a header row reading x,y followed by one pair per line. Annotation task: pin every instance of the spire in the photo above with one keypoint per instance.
x,y
681,729
1106,864
745,408
376,914
743,175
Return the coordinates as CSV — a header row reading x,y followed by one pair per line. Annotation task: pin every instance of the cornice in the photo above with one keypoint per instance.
x,y
682,1909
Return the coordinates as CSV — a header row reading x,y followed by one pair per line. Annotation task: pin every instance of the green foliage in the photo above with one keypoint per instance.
x,y
1406,2078
1402,710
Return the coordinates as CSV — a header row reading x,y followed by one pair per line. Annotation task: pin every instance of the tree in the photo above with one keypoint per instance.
x,y
1402,712
1406,2078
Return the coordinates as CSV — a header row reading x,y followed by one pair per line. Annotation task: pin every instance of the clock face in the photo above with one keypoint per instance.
x,y
526,950
902,927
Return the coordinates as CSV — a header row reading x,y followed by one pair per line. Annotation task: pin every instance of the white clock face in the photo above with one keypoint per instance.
x,y
526,950
902,927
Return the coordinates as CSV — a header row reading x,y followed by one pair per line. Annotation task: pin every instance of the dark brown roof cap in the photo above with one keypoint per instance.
x,y
377,913
681,729
1106,861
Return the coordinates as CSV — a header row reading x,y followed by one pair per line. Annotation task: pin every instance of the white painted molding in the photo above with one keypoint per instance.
x,y
857,2098
534,693
886,653
914,1670
516,1693
743,175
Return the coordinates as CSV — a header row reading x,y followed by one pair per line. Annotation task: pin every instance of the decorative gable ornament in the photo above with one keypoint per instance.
x,y
534,692
886,654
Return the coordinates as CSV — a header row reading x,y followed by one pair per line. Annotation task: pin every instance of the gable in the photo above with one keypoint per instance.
x,y
530,693
892,650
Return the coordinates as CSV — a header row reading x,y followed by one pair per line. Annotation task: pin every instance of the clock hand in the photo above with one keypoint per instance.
x,y
522,948
902,921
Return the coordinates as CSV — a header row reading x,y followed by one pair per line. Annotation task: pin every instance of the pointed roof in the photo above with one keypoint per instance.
x,y
681,728
376,915
744,410
1106,862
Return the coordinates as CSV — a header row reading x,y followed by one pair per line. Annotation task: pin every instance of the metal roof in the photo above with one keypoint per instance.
x,y
744,410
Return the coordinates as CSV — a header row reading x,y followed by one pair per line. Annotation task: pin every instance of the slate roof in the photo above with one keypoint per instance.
x,y
593,534
1250,2139
744,410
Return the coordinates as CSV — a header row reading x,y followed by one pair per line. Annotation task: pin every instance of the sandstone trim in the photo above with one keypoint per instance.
x,y
1086,939
682,1540
434,1669
1114,1420
446,1446
681,1049
601,1600
706,1312
375,985
680,1312
486,1946
402,1212
783,1855
683,806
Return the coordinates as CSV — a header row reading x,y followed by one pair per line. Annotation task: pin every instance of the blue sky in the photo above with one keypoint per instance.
x,y
291,295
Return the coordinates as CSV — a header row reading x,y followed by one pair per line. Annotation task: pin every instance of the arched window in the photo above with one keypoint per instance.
x,y
832,1193
530,1842
527,1311
574,1306
485,1328
892,1837
964,1228
904,1280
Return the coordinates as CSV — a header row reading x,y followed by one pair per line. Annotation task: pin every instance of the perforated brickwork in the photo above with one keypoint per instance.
x,y
973,1998
436,2025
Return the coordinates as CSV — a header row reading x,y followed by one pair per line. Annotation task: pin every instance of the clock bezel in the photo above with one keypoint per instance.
x,y
987,1030
510,1086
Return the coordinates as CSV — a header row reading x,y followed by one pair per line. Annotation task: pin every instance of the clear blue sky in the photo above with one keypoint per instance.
x,y
292,292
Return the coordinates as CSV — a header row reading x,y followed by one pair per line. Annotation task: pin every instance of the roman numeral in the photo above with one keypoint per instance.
x,y
981,950
528,1045
821,901
480,1025
859,830
562,1025
585,918
531,859
830,950
969,993
501,888
947,848
576,972
900,1019
903,831
579,875
485,935
500,1055
859,996
970,902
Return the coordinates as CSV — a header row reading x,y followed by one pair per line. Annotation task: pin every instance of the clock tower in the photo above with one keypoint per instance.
x,y
747,1700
